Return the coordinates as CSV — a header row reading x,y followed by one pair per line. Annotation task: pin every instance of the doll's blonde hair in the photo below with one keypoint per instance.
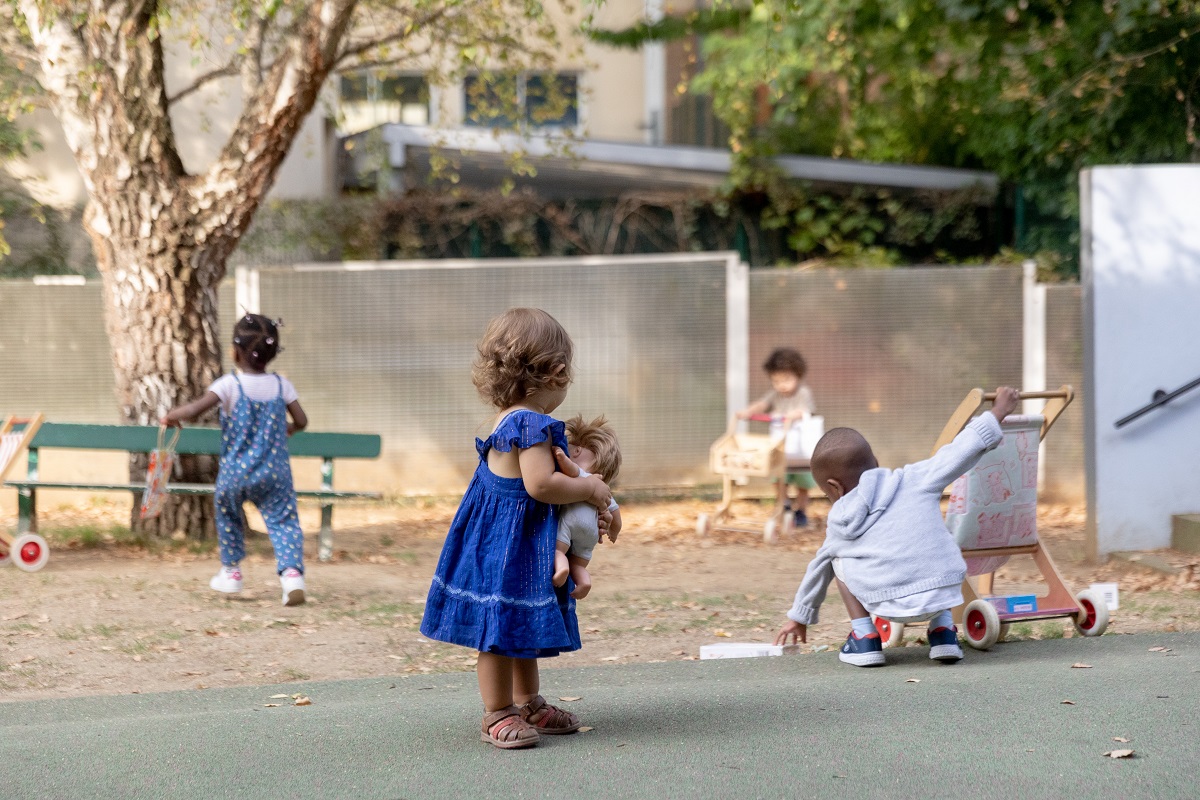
x,y
599,437
518,355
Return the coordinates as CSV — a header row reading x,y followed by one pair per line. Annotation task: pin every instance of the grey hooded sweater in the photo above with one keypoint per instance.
x,y
888,531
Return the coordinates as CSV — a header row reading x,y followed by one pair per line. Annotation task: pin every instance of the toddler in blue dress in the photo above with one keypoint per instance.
x,y
493,590
255,407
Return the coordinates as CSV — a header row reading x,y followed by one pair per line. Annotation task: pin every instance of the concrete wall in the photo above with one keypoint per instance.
x,y
1141,297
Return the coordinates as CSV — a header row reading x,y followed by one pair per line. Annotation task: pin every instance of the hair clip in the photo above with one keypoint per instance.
x,y
279,322
270,340
254,353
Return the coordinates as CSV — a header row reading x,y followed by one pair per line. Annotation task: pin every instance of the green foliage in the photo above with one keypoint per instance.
x,y
693,23
793,223
1034,90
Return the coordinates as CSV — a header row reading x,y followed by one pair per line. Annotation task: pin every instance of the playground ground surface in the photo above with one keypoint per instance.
x,y
1029,719
108,616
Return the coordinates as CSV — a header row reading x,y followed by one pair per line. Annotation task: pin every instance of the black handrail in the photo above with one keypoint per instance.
x,y
1160,398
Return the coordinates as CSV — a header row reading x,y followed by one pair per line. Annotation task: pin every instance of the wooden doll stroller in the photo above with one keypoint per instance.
x,y
740,458
28,551
993,515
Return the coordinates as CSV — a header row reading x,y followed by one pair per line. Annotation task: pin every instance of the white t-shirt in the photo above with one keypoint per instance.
x,y
267,386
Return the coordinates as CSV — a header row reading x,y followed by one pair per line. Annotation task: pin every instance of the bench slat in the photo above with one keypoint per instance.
x,y
197,441
173,488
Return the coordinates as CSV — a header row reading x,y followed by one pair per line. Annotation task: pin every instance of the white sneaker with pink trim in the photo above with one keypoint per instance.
x,y
293,586
228,580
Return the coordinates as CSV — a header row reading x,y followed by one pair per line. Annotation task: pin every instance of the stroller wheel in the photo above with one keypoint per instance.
x,y
1093,620
981,624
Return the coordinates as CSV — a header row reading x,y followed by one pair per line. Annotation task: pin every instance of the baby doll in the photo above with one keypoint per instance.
x,y
594,451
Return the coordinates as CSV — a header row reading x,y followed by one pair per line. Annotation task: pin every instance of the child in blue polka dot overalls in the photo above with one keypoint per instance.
x,y
255,407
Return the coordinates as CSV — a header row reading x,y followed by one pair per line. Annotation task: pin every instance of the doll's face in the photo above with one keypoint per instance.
x,y
582,456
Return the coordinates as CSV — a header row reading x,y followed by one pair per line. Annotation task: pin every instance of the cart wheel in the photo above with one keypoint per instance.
x,y
30,552
703,525
981,624
1003,637
1093,620
771,531
892,633
4,559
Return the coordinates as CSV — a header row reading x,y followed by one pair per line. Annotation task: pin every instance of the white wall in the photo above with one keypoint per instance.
x,y
1140,255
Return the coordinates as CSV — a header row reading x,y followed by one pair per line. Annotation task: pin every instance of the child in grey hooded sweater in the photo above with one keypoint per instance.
x,y
886,543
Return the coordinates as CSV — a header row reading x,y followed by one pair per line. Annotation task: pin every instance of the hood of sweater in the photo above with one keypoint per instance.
x,y
856,511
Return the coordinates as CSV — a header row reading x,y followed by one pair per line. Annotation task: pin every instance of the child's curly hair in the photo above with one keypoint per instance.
x,y
785,359
518,355
599,437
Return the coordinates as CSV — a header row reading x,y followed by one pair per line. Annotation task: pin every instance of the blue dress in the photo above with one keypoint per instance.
x,y
492,590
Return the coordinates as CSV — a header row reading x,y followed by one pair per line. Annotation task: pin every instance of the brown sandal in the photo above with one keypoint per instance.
x,y
550,719
507,730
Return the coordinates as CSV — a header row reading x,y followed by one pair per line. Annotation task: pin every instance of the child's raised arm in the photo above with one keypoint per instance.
x,y
189,411
545,484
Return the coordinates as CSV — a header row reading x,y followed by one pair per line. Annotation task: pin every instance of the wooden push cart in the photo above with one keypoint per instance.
x,y
993,515
27,551
745,459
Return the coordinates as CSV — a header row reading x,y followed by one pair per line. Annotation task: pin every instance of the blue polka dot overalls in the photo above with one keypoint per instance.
x,y
255,467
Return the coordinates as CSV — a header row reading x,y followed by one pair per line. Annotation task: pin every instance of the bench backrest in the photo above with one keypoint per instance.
x,y
196,441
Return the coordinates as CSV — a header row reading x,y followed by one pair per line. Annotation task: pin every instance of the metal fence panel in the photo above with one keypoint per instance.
x,y
1064,364
54,351
890,352
389,350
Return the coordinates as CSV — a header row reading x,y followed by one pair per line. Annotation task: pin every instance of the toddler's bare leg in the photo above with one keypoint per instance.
x,y
562,566
582,578
857,609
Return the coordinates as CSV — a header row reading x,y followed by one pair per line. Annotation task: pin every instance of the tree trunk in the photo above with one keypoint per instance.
x,y
161,317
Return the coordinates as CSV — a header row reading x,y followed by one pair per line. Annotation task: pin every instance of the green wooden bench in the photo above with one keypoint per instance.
x,y
192,441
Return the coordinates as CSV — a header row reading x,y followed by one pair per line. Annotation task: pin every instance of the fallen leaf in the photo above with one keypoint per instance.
x,y
1067,703
137,658
270,705
1119,754
585,728
7,617
1121,739
27,659
912,680
280,696
1160,650
611,658
679,653
722,632
1080,665
592,630
570,699
302,701
398,658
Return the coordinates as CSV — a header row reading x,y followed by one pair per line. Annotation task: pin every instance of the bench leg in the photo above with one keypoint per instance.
x,y
325,538
27,511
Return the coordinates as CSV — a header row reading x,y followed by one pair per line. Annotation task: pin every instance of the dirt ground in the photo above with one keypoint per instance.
x,y
110,616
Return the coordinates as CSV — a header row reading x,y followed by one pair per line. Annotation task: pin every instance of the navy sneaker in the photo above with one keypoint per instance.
x,y
864,652
800,519
943,645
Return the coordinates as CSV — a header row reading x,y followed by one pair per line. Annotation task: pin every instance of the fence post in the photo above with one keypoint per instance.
x,y
245,291
1033,349
737,334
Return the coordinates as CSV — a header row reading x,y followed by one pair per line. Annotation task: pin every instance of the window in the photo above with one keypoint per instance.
x,y
369,99
538,100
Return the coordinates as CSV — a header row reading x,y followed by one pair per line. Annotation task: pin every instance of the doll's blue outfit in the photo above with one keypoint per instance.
x,y
255,467
493,590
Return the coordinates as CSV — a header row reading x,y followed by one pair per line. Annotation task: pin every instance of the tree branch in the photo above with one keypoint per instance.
x,y
228,70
